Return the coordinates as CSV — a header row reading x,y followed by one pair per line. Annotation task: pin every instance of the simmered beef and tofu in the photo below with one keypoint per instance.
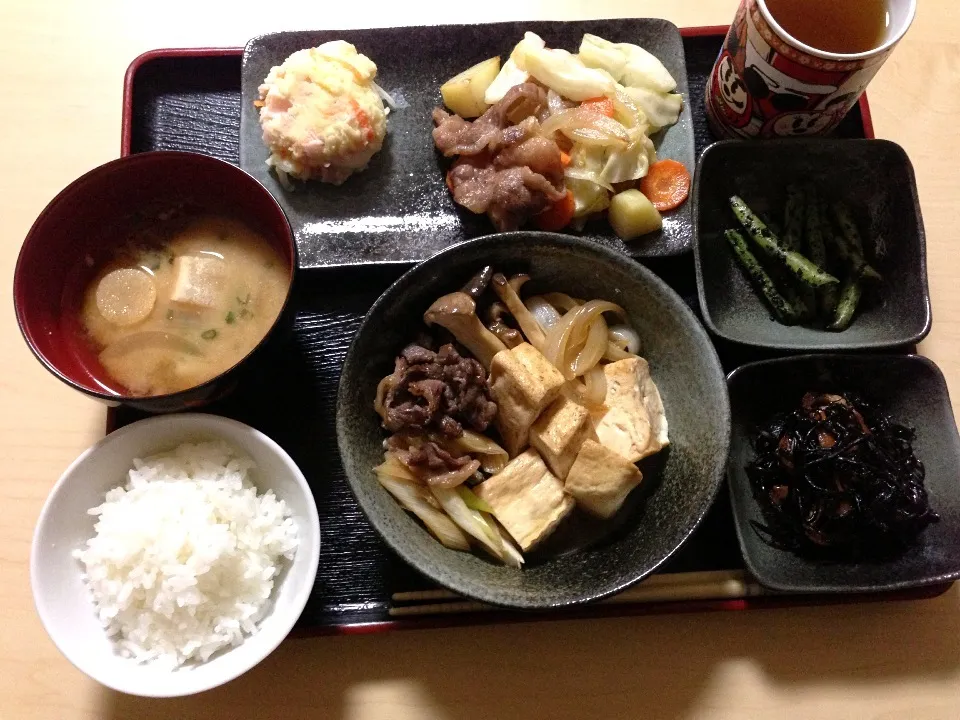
x,y
559,432
601,479
527,499
633,424
538,372
522,384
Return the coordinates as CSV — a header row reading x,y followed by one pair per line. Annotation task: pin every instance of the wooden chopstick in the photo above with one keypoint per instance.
x,y
673,587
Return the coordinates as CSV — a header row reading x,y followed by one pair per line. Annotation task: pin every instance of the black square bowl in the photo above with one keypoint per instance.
x,y
910,389
874,177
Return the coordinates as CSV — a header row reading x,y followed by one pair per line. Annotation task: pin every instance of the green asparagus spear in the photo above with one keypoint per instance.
x,y
853,250
783,311
793,217
799,266
847,306
827,295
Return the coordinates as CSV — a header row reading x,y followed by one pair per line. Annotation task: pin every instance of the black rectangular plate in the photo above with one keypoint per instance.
x,y
190,100
399,208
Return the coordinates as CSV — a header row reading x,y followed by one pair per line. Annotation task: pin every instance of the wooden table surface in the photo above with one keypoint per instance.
x,y
63,65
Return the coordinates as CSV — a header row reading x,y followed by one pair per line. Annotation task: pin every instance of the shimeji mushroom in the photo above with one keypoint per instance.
x,y
457,312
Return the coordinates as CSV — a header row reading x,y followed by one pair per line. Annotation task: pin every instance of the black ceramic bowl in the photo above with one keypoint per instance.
x,y
97,213
678,488
912,391
874,177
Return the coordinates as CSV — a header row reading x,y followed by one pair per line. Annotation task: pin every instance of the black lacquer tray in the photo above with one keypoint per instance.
x,y
189,99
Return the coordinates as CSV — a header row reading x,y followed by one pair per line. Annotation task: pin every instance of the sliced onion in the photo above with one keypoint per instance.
x,y
150,339
625,338
615,353
383,388
562,302
393,467
591,137
624,106
385,96
582,339
555,345
453,478
555,102
414,498
595,386
574,173
575,123
493,458
545,313
593,348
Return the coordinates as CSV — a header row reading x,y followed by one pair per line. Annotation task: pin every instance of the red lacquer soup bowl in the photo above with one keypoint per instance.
x,y
94,216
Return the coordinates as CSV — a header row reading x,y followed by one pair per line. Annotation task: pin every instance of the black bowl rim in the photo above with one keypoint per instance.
x,y
735,474
723,413
166,398
838,344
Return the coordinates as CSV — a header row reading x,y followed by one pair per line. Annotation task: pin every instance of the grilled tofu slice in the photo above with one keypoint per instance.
x,y
633,424
200,280
527,499
601,479
522,383
559,432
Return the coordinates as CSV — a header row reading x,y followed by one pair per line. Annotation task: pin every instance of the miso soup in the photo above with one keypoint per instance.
x,y
169,314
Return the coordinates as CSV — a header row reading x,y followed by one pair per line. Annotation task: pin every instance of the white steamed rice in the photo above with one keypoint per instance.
x,y
185,554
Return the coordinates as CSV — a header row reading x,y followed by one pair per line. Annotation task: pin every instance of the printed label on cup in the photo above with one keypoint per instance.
x,y
767,84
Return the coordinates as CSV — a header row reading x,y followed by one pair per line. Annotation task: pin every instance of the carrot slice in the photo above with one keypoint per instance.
x,y
602,105
565,159
557,215
666,185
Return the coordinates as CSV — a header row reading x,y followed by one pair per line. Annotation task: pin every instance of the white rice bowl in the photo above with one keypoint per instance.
x,y
275,520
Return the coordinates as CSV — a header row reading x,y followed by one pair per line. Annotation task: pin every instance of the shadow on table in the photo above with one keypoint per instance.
x,y
658,667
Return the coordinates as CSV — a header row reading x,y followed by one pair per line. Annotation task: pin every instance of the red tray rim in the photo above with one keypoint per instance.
x,y
576,612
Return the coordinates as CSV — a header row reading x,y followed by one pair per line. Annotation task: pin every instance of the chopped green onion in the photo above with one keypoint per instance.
x,y
230,318
208,334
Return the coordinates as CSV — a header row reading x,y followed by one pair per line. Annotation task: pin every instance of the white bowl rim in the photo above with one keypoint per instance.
x,y
208,422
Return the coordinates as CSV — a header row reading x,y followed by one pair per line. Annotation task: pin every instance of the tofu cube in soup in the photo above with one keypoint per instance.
x,y
601,479
559,432
522,384
199,280
527,499
633,424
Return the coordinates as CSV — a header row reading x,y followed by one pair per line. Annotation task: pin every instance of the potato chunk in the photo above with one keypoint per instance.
x,y
559,432
464,93
522,383
632,215
634,424
601,479
527,499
